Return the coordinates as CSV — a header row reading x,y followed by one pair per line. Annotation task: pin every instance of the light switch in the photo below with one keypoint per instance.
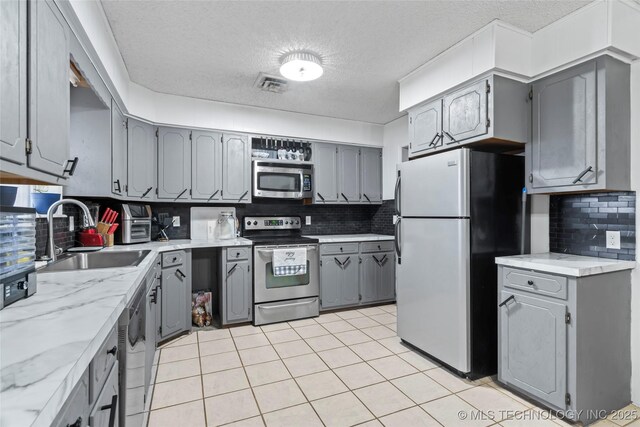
x,y
72,224
307,220
613,240
176,221
395,219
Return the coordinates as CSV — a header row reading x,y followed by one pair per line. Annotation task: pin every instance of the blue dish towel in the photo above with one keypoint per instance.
x,y
289,261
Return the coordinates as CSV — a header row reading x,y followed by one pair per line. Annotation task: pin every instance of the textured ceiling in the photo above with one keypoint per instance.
x,y
215,49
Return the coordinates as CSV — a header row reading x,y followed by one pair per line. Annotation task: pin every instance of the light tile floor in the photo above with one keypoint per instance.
x,y
340,369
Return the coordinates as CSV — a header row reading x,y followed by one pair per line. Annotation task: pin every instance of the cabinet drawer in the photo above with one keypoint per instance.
x,y
238,253
172,258
101,364
535,282
106,406
379,246
77,405
339,248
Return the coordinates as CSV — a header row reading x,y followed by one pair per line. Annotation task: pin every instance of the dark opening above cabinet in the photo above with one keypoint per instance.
x,y
581,129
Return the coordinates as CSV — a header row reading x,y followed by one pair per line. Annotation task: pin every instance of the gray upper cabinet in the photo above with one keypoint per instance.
x,y
492,112
174,163
465,113
371,179
13,84
118,150
141,164
425,128
206,165
325,160
348,174
237,292
533,346
236,169
48,88
581,129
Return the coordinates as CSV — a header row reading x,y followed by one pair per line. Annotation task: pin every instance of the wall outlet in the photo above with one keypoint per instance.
x,y
395,219
307,220
176,221
613,240
72,224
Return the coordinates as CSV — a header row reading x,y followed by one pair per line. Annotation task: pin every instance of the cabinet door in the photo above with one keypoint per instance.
x,y
564,138
465,113
371,178
174,300
206,165
349,281
325,160
236,169
237,302
49,102
174,163
387,275
330,277
118,150
425,126
150,329
369,279
13,81
141,163
349,174
533,346
106,407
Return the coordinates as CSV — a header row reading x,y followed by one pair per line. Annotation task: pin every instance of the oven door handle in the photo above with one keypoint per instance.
x,y
270,251
273,307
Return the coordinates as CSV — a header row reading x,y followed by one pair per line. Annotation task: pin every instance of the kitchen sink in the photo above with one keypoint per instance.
x,y
96,260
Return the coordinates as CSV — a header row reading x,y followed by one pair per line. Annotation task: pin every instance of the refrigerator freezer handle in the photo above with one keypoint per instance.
x,y
396,239
397,194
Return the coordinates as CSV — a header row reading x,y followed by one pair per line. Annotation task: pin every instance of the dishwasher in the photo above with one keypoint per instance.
x,y
131,338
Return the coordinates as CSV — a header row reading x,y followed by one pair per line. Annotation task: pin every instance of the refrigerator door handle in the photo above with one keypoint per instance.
x,y
397,195
396,239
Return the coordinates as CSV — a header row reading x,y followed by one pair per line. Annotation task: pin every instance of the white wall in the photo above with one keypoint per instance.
x,y
635,275
395,136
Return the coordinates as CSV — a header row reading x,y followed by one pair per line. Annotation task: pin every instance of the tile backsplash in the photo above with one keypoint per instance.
x,y
578,224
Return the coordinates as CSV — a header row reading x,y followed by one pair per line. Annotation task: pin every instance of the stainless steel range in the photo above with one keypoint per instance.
x,y
281,296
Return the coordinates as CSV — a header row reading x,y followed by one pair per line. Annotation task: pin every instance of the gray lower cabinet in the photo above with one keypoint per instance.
x,y
236,168
581,129
174,163
206,166
555,339
325,160
339,281
371,175
151,316
141,160
75,411
425,128
48,88
13,84
237,289
118,151
176,294
105,410
349,174
377,277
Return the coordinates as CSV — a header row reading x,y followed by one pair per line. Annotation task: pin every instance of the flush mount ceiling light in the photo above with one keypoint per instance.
x,y
301,66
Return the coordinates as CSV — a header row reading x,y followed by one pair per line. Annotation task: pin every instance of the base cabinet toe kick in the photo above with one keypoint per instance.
x,y
555,339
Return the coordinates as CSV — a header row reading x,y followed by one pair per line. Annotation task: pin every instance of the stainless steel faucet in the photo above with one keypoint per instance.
x,y
51,247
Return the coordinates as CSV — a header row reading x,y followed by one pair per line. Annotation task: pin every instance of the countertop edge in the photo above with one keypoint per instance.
x,y
603,265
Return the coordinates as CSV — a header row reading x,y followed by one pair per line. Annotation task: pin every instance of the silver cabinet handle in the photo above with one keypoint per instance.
x,y
582,174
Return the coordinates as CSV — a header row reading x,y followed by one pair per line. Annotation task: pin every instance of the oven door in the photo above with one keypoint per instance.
x,y
269,288
282,182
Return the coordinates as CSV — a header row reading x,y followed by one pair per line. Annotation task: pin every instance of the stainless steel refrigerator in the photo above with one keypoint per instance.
x,y
457,211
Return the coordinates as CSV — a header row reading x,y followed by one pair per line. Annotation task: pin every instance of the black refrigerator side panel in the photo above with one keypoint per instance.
x,y
496,183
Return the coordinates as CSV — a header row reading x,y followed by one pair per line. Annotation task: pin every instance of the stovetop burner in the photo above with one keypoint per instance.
x,y
274,230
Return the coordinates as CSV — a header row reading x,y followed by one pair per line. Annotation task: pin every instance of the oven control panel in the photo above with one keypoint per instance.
x,y
272,223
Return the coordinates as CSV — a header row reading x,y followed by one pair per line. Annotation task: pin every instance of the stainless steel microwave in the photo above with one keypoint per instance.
x,y
282,179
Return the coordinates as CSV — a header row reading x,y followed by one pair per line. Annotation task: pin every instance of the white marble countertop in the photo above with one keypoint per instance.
x,y
565,264
339,238
48,339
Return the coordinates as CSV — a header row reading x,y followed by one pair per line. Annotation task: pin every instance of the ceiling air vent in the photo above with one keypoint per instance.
x,y
271,83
